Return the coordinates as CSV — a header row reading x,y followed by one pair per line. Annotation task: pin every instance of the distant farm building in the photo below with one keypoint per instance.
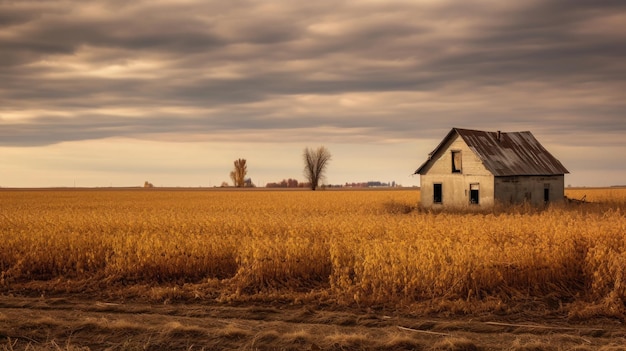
x,y
476,168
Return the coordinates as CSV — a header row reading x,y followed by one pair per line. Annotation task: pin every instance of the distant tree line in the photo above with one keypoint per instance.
x,y
370,184
288,183
293,183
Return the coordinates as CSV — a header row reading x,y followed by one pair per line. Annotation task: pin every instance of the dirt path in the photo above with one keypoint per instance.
x,y
69,323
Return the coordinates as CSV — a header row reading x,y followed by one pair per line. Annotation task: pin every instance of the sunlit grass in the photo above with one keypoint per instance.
x,y
365,247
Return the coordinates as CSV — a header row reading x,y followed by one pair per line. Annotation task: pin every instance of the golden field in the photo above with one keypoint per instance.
x,y
365,248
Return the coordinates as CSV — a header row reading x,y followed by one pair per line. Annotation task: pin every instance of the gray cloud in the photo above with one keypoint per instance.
x,y
87,70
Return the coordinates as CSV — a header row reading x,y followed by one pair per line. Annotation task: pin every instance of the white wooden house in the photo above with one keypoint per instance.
x,y
472,168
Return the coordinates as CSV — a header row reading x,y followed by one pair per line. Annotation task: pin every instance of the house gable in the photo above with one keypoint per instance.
x,y
442,160
451,170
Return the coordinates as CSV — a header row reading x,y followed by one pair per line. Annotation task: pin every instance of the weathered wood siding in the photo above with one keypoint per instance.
x,y
518,189
456,186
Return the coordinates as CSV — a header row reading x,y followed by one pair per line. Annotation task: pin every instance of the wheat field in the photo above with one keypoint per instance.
x,y
351,247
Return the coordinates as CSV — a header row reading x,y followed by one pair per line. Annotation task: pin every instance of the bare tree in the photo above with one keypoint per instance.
x,y
315,162
238,175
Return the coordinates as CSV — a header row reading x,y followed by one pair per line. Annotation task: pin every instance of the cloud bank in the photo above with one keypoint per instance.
x,y
324,71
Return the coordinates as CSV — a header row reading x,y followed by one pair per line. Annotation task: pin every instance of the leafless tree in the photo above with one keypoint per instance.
x,y
238,175
315,162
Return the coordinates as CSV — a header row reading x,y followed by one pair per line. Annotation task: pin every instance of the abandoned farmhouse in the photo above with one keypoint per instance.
x,y
477,168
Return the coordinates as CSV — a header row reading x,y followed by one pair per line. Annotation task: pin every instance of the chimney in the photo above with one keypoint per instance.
x,y
499,135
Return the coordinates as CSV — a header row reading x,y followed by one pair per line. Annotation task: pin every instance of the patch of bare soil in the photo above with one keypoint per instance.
x,y
79,322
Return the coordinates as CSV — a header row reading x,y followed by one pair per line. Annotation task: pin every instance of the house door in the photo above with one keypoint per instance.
x,y
474,193
546,193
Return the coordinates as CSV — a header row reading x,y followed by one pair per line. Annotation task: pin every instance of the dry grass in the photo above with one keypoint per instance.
x,y
455,344
351,247
52,346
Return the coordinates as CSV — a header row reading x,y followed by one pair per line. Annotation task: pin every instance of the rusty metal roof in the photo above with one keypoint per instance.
x,y
506,154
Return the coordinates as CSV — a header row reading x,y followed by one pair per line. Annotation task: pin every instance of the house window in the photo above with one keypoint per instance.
x,y
456,162
437,194
474,193
546,193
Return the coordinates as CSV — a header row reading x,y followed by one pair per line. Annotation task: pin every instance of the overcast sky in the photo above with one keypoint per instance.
x,y
114,93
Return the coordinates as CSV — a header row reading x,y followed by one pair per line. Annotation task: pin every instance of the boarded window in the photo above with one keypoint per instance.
x,y
456,162
474,193
437,194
